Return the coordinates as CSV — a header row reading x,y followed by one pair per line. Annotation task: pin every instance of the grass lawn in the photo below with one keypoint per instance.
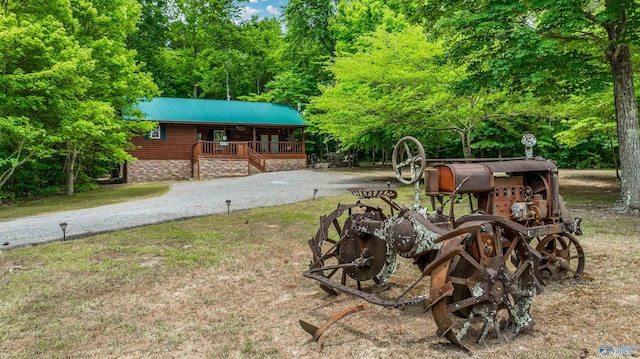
x,y
108,194
231,286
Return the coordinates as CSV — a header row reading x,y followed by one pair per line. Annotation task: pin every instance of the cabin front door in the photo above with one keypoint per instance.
x,y
269,143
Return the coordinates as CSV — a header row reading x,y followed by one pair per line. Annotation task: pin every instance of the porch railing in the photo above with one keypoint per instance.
x,y
220,148
276,147
241,149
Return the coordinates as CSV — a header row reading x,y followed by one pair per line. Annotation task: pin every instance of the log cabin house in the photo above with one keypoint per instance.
x,y
205,139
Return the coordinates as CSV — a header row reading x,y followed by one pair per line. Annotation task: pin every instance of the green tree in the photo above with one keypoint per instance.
x,y
288,88
551,47
40,65
396,84
66,71
150,41
200,49
360,17
261,43
590,120
309,42
20,141
308,31
201,34
249,63
115,82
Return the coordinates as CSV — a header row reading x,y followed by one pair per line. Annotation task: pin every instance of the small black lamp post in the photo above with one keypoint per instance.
x,y
63,226
228,202
315,190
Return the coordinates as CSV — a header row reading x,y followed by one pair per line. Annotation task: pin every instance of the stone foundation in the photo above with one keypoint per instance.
x,y
158,170
203,169
210,168
289,164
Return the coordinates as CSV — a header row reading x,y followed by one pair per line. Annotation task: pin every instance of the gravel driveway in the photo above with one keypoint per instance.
x,y
184,200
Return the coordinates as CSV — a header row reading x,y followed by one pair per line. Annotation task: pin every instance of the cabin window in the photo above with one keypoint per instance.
x,y
155,134
218,135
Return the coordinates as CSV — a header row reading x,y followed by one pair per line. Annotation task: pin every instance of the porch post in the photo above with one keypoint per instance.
x,y
304,151
255,145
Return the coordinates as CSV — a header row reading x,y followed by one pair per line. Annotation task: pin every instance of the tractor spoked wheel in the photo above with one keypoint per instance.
x,y
337,245
492,287
562,258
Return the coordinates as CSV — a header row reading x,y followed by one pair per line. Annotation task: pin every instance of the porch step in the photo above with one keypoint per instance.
x,y
257,160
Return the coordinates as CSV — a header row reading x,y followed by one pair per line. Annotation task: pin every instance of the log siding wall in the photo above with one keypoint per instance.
x,y
177,145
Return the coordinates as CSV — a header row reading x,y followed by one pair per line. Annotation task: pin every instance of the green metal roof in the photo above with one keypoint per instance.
x,y
166,109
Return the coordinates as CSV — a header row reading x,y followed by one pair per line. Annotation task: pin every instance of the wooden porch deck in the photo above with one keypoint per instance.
x,y
256,152
237,149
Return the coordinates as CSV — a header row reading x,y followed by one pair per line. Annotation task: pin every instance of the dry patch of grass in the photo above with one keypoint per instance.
x,y
590,187
231,286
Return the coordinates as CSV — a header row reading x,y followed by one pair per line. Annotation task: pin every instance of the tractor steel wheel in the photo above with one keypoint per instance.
x,y
336,246
562,258
489,290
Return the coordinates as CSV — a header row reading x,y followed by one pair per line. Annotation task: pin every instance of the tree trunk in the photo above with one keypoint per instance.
x,y
226,70
465,136
614,155
373,156
194,67
70,161
195,88
627,121
4,177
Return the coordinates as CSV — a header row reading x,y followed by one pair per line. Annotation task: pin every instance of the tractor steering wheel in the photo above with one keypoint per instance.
x,y
409,152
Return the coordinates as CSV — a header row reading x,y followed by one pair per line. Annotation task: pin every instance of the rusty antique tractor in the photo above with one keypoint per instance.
x,y
484,267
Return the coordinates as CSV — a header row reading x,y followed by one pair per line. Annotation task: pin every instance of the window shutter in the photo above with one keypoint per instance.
x,y
163,132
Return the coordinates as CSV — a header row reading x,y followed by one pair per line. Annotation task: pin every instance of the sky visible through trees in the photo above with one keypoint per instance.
x,y
261,8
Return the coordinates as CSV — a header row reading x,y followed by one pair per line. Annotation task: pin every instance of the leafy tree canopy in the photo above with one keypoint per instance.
x,y
396,84
66,77
555,48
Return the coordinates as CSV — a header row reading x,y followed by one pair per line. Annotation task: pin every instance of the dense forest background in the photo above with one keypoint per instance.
x,y
466,78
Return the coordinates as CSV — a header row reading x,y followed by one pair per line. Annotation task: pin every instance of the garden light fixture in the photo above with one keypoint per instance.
x,y
63,226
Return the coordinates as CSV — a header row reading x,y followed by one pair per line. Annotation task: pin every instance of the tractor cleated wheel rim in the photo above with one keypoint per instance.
x,y
494,284
562,257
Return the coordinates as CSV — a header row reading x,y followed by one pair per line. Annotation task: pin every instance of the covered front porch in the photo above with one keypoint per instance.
x,y
259,148
262,139
223,157
244,158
